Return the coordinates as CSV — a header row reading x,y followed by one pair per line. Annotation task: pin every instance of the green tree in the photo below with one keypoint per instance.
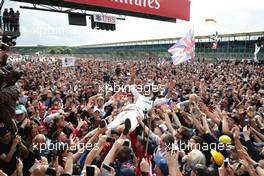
x,y
67,51
52,51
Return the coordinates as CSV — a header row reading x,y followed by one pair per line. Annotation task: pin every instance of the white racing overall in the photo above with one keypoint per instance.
x,y
132,111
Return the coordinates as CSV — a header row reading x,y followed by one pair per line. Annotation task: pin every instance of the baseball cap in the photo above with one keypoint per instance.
x,y
162,164
96,110
224,139
3,130
19,112
21,107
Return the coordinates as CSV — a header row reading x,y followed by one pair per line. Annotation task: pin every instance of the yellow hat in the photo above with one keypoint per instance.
x,y
218,157
224,139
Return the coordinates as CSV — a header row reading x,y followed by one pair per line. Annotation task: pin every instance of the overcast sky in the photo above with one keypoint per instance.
x,y
46,28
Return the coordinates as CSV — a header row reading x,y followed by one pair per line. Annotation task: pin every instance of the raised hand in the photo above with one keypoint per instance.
x,y
119,142
172,158
171,85
176,108
26,122
2,173
81,122
246,133
17,140
236,132
19,165
133,72
202,106
102,140
144,165
140,119
165,109
198,125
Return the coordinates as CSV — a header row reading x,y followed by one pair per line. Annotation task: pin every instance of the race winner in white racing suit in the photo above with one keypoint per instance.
x,y
142,103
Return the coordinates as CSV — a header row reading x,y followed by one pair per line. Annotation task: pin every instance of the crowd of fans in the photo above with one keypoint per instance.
x,y
10,20
55,120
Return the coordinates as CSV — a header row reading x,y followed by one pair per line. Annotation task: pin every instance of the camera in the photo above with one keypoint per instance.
x,y
4,47
7,72
9,41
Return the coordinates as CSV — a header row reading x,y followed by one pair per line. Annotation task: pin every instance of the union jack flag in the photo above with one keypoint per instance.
x,y
216,40
214,45
257,48
184,49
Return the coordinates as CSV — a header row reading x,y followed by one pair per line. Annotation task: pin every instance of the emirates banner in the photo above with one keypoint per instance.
x,y
175,9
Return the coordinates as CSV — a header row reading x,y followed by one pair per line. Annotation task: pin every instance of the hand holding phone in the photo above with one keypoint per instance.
x,y
246,121
110,140
102,124
126,143
106,167
89,171
226,162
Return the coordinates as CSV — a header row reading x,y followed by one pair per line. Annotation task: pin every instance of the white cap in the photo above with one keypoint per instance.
x,y
96,109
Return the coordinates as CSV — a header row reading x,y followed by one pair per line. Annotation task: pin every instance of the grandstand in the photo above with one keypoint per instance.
x,y
238,45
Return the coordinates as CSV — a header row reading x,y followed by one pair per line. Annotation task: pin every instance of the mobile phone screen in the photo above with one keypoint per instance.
x,y
110,140
89,171
126,143
102,123
106,167
226,162
246,121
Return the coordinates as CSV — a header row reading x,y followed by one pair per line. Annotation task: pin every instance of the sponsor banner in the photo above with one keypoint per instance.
x,y
68,61
175,9
100,18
